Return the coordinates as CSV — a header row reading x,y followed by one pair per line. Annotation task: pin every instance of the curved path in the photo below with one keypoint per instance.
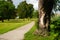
x,y
17,34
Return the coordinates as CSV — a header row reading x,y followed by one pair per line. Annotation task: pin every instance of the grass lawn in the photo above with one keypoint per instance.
x,y
30,35
12,24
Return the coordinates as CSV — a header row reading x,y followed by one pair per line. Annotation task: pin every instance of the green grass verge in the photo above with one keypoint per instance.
x,y
30,36
14,20
5,27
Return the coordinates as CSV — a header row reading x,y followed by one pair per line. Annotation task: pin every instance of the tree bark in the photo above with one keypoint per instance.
x,y
45,8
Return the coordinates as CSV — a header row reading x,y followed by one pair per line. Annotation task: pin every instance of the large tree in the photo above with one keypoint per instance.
x,y
25,10
45,8
30,10
7,10
3,10
10,11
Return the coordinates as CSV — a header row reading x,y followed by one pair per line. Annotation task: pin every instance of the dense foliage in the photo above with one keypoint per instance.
x,y
7,10
55,26
25,10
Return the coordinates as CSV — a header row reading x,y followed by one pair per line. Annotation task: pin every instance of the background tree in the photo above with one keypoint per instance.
x,y
35,14
25,10
2,10
10,11
7,10
29,12
22,9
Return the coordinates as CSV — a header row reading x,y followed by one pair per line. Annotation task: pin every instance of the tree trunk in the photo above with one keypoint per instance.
x,y
2,20
8,19
45,8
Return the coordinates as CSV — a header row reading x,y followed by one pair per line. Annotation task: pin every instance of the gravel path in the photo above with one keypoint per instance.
x,y
17,34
